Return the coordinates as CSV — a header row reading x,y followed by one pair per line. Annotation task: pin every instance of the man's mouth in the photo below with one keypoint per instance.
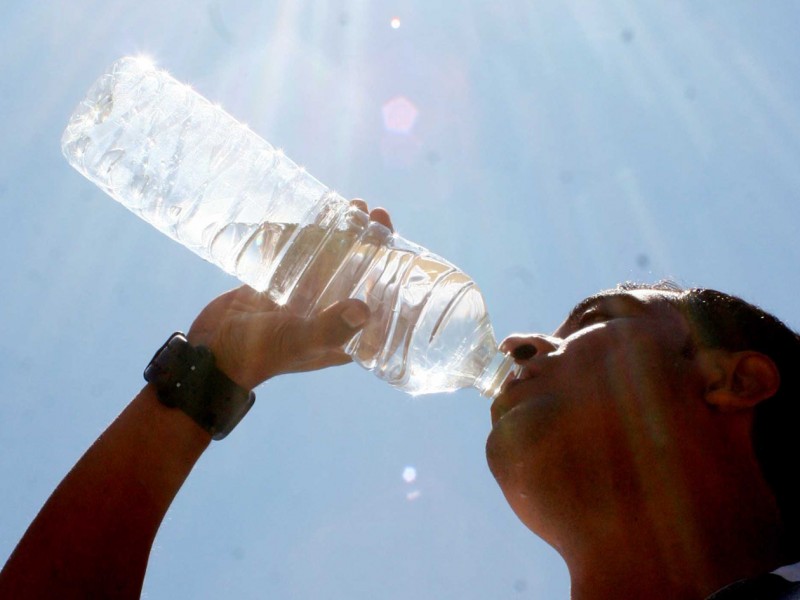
x,y
505,401
528,371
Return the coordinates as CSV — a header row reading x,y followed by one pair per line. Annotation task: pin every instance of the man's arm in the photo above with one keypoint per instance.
x,y
93,536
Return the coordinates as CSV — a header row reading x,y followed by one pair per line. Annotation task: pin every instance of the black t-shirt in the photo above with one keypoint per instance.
x,y
764,587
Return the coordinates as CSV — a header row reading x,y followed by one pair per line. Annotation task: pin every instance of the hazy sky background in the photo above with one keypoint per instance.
x,y
549,148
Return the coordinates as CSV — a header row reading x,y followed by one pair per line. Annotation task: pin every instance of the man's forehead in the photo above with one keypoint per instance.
x,y
643,295
643,298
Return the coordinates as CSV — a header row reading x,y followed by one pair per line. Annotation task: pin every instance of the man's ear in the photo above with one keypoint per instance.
x,y
740,380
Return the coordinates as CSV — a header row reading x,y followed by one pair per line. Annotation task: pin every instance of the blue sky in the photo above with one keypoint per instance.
x,y
558,148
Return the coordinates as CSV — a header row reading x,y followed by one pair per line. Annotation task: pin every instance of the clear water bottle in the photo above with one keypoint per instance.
x,y
195,173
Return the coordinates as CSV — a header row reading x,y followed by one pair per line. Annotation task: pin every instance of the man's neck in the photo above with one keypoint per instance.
x,y
671,551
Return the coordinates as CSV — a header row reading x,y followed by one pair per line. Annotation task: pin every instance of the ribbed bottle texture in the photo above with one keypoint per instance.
x,y
192,171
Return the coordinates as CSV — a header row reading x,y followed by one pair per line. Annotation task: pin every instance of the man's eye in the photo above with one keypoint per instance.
x,y
591,318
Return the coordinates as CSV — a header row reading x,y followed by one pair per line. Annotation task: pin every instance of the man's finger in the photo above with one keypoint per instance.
x,y
335,325
359,204
381,215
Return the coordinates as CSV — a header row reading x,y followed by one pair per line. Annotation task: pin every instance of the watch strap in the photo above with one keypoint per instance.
x,y
186,377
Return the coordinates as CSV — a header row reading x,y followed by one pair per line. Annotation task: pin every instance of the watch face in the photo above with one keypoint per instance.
x,y
185,377
169,369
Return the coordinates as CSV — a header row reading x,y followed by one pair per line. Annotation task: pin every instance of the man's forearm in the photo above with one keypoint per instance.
x,y
93,536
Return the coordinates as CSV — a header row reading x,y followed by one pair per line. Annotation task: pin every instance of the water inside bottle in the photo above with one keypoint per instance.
x,y
429,331
197,175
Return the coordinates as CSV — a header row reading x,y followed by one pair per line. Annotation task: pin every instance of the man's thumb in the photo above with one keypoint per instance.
x,y
354,314
342,320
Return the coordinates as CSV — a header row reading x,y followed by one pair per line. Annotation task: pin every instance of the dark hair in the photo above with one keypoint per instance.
x,y
724,321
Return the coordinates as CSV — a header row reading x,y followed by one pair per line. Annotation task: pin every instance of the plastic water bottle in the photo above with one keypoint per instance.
x,y
195,173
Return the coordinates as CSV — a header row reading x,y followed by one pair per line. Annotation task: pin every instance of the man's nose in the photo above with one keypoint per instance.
x,y
525,347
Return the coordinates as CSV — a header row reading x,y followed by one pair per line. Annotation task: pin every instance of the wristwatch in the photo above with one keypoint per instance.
x,y
186,377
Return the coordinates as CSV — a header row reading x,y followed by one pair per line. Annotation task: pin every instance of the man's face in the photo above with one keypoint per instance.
x,y
598,405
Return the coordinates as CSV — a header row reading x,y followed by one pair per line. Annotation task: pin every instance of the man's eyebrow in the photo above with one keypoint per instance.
x,y
599,299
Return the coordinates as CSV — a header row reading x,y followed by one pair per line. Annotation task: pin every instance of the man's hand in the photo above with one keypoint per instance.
x,y
254,339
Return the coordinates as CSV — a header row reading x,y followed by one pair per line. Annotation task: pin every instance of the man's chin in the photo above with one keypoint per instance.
x,y
517,434
505,447
512,469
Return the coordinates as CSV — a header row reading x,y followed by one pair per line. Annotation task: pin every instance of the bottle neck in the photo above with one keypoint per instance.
x,y
495,374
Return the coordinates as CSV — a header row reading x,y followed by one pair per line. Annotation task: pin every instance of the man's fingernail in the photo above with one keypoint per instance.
x,y
355,315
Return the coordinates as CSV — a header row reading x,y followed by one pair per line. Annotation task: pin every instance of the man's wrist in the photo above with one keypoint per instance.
x,y
186,377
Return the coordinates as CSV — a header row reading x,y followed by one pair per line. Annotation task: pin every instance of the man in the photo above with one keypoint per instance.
x,y
626,443
650,441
